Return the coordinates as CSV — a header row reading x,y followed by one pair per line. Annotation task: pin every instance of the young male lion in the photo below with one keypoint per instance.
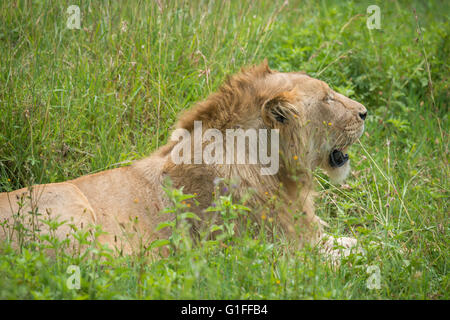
x,y
316,125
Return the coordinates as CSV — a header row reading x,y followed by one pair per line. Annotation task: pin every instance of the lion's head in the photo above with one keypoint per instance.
x,y
321,122
316,124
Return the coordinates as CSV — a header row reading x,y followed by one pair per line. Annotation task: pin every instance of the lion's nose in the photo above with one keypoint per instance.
x,y
363,115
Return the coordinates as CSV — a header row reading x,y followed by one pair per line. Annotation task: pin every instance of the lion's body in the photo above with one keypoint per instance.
x,y
123,201
253,99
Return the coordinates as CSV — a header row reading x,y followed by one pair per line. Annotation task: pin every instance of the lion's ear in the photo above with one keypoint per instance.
x,y
278,110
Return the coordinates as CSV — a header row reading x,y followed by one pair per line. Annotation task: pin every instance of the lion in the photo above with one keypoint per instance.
x,y
316,125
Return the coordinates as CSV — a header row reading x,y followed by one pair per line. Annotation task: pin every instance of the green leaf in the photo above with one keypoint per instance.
x,y
165,224
216,228
159,243
189,215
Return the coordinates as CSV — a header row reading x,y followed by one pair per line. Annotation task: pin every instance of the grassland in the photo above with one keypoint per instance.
x,y
74,102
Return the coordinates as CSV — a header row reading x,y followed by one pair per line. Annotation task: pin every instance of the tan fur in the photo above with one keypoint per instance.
x,y
315,125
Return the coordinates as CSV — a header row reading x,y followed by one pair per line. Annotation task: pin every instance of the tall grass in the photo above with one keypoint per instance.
x,y
74,102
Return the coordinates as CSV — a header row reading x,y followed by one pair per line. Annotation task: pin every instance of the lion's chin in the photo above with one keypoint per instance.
x,y
337,165
339,174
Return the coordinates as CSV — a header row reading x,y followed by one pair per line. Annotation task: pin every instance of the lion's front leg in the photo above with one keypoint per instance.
x,y
299,221
337,248
300,224
301,228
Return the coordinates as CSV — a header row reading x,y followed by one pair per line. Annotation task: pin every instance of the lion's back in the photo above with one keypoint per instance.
x,y
24,210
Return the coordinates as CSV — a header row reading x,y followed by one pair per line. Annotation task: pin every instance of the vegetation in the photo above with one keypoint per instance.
x,y
74,102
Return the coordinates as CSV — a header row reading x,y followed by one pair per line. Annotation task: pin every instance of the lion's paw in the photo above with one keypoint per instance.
x,y
338,248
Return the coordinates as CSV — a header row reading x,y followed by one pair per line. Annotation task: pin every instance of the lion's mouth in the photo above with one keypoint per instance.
x,y
337,158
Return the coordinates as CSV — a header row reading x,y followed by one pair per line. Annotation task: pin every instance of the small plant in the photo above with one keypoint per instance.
x,y
231,214
180,238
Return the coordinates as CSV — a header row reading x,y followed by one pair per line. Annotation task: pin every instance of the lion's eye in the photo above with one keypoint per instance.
x,y
329,98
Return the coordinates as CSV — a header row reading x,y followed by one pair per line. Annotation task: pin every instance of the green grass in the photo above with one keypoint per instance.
x,y
73,102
